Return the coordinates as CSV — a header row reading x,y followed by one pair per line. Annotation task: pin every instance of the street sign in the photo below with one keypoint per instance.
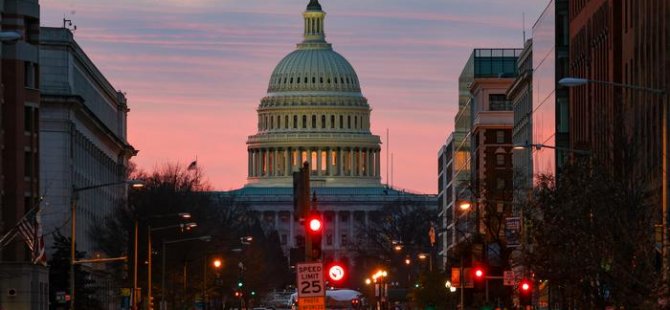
x,y
508,278
311,289
336,273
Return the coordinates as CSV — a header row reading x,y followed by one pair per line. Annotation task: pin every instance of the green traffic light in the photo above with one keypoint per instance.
x,y
253,293
239,284
416,285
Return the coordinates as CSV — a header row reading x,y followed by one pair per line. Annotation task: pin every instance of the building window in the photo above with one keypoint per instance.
x,y
344,240
329,239
332,121
28,163
285,124
295,121
304,121
500,136
499,102
500,183
313,121
500,159
349,121
28,119
323,121
341,121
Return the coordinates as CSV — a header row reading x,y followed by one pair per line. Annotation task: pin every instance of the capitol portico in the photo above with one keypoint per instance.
x,y
314,111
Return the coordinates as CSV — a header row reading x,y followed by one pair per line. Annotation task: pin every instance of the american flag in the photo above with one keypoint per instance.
x,y
30,229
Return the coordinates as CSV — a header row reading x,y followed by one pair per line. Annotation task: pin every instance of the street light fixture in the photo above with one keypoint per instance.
x,y
206,238
182,226
73,222
539,146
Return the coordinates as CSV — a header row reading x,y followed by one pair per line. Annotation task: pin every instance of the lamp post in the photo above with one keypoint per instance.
x,y
188,226
73,225
163,305
574,82
465,207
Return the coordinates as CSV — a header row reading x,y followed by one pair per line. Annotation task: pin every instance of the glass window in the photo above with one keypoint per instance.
x,y
313,121
304,121
295,121
323,121
500,136
500,159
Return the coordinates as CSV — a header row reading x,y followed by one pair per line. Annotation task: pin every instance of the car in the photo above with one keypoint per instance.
x,y
335,299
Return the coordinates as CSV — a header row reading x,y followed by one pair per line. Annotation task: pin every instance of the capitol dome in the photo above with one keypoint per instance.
x,y
314,112
314,69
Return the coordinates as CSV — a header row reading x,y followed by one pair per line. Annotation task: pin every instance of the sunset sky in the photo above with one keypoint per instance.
x,y
195,70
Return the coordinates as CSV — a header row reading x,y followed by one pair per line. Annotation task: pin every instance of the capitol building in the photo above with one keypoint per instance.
x,y
315,112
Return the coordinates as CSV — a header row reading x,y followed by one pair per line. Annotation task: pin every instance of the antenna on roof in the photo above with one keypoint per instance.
x,y
67,22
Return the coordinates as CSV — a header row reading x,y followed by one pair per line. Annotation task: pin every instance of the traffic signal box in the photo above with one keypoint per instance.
x,y
526,292
306,211
479,273
314,230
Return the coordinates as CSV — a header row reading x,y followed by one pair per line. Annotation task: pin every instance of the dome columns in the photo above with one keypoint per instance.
x,y
345,161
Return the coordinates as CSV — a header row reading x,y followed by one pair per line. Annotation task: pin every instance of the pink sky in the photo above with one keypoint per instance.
x,y
195,70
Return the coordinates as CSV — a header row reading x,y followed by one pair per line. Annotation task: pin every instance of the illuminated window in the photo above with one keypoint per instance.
x,y
324,161
314,161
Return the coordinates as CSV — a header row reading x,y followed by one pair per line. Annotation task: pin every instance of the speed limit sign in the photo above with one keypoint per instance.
x,y
311,289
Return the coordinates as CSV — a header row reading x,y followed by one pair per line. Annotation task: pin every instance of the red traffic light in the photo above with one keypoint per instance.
x,y
314,225
336,272
525,286
479,273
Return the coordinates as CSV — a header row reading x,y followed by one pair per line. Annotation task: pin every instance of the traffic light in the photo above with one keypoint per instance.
x,y
526,292
479,273
238,294
315,230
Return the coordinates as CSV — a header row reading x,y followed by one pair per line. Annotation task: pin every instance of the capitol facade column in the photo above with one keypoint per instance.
x,y
369,163
340,161
377,163
329,161
259,157
354,162
287,162
319,161
275,163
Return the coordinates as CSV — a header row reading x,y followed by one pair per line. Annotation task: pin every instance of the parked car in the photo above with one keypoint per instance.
x,y
335,299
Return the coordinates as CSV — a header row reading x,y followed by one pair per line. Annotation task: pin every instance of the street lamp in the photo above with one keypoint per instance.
x,y
539,146
73,223
207,238
574,82
188,226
